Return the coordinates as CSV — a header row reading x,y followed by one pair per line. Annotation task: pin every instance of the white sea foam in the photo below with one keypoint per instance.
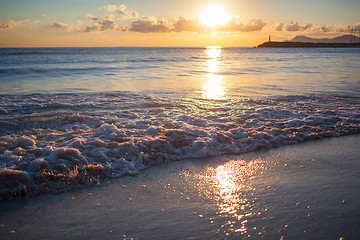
x,y
51,143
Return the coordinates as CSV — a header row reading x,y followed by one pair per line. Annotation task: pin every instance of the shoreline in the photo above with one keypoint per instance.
x,y
307,190
67,142
307,45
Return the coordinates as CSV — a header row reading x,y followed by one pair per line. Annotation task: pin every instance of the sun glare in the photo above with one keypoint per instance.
x,y
213,15
213,88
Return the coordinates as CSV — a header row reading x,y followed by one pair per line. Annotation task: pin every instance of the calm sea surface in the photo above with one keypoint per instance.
x,y
210,72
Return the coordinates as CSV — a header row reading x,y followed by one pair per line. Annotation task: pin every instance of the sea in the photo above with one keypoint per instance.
x,y
72,117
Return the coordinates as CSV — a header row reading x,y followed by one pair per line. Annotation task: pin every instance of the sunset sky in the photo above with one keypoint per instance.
x,y
193,23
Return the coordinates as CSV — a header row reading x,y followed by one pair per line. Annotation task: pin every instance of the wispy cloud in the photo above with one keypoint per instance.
x,y
253,25
10,24
235,25
122,11
108,22
150,24
182,24
120,18
101,24
279,27
344,28
295,27
91,17
316,29
59,26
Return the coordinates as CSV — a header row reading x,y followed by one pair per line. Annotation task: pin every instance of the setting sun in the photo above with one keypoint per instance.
x,y
214,15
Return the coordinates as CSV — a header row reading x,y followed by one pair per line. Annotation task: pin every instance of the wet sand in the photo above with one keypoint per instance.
x,y
304,191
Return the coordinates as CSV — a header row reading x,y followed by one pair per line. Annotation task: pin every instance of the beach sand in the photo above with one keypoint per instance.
x,y
303,191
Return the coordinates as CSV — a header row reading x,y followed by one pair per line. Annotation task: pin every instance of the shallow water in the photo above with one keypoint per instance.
x,y
54,143
303,191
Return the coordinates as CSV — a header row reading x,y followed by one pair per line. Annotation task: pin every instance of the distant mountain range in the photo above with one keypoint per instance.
x,y
342,39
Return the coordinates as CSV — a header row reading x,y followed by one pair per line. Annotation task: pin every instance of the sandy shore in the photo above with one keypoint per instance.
x,y
303,191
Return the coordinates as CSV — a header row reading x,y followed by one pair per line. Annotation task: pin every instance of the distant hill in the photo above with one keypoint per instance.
x,y
341,39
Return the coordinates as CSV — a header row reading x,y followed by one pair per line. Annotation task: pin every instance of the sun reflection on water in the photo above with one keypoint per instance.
x,y
213,88
213,51
230,184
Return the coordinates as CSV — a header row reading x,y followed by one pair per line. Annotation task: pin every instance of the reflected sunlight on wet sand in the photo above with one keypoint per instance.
x,y
303,191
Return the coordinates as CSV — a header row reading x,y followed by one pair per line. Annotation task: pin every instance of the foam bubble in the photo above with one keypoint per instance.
x,y
51,143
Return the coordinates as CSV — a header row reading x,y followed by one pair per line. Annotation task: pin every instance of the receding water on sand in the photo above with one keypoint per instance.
x,y
302,191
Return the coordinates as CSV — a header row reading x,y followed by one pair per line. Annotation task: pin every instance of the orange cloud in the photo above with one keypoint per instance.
x,y
91,17
253,26
151,24
279,26
294,27
182,24
102,24
59,26
121,10
10,24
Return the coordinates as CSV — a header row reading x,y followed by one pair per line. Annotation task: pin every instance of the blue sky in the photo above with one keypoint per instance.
x,y
72,17
321,11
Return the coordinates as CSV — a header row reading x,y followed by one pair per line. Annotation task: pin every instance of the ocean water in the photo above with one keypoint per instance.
x,y
71,117
211,72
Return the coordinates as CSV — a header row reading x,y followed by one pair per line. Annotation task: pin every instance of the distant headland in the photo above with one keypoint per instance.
x,y
345,41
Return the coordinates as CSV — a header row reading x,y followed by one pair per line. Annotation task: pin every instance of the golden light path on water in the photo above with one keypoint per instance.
x,y
213,88
230,184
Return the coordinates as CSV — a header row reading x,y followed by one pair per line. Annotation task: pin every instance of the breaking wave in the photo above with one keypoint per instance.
x,y
56,142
